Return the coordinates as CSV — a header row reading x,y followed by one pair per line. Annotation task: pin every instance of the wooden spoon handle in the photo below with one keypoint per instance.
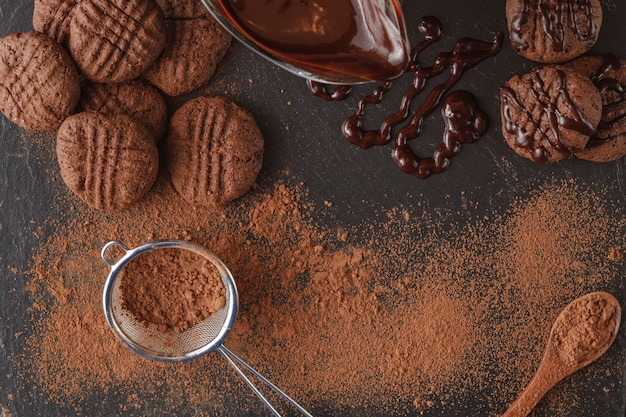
x,y
545,378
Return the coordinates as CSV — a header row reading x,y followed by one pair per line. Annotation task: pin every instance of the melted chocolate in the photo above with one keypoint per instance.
x,y
555,21
336,39
322,91
465,122
556,120
466,53
429,27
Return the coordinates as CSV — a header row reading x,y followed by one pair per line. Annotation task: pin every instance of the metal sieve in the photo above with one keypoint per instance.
x,y
206,336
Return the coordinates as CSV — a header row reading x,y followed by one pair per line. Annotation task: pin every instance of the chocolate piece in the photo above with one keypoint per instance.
x,y
53,17
214,151
194,48
39,85
109,162
549,113
608,73
553,31
134,98
116,40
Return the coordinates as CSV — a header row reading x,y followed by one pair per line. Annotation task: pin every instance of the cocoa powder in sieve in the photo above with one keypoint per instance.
x,y
171,288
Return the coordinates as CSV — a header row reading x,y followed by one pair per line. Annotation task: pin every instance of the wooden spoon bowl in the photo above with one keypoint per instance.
x,y
581,334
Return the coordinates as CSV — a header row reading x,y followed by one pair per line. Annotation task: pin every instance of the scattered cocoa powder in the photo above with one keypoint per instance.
x,y
171,288
405,315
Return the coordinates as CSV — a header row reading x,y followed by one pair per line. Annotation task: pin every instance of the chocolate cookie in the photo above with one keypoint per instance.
x,y
183,9
116,40
134,98
39,84
609,76
214,151
553,31
549,113
109,162
53,17
194,48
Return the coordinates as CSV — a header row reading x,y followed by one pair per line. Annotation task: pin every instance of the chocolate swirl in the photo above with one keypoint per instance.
x,y
466,54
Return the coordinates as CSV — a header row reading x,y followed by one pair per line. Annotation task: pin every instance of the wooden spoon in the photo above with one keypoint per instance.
x,y
581,334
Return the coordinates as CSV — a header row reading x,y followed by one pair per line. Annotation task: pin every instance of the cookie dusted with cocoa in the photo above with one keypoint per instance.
x,y
53,17
116,40
214,151
553,31
196,45
109,162
549,113
39,84
135,98
608,73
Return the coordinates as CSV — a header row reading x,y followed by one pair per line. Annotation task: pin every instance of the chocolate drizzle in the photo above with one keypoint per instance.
x,y
555,21
430,28
539,142
465,122
466,54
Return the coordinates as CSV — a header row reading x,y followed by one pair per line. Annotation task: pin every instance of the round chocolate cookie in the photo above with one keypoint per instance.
x,y
549,113
116,40
608,73
53,17
135,98
214,151
553,31
39,85
109,162
194,48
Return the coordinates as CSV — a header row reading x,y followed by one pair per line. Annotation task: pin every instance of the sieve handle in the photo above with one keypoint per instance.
x,y
231,358
108,246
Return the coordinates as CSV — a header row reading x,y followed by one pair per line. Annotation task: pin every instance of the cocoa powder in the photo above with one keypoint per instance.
x,y
400,316
586,327
171,288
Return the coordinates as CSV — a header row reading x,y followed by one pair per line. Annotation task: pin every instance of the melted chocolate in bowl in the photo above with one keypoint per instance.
x,y
332,41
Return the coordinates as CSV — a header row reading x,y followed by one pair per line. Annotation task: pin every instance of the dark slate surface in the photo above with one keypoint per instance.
x,y
359,183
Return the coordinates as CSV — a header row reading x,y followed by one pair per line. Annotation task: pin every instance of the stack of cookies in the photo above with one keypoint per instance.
x,y
97,71
571,106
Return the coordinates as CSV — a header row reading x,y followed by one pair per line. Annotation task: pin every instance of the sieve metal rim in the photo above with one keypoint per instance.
x,y
129,254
